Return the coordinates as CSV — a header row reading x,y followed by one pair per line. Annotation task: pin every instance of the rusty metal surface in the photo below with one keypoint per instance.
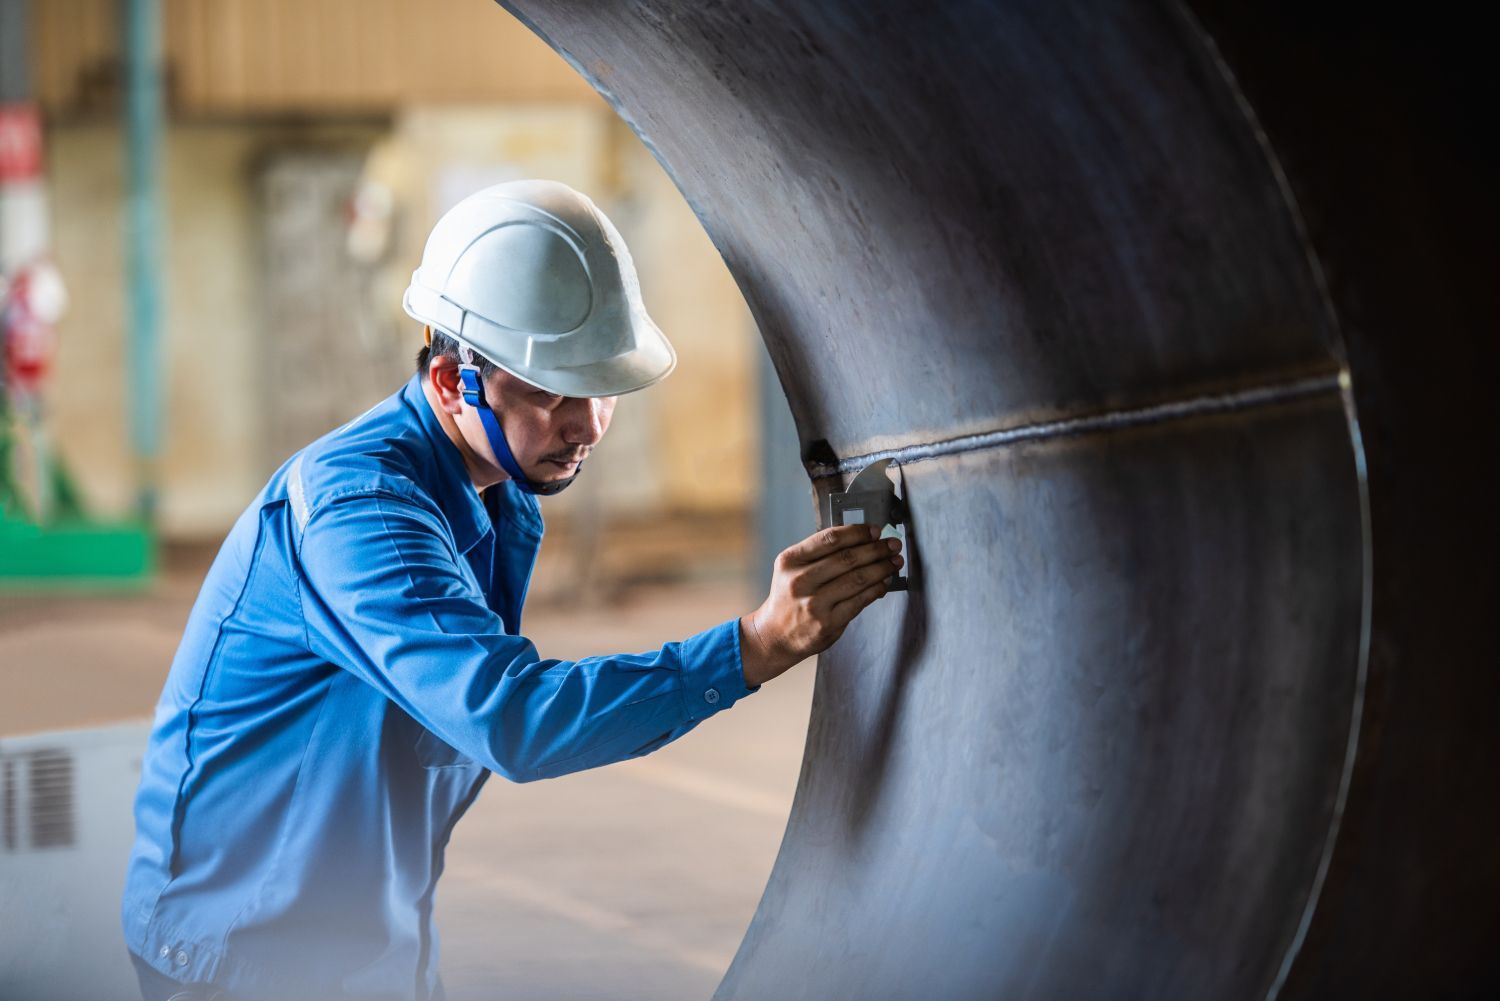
x,y
1103,747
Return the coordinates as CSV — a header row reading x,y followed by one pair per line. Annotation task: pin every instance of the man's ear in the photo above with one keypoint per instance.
x,y
442,375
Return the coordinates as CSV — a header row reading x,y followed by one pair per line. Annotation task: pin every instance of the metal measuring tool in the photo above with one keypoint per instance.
x,y
871,499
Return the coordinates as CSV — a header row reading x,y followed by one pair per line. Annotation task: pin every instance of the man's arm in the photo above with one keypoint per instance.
x,y
385,598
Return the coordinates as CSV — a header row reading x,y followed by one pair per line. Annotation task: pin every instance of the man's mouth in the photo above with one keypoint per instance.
x,y
565,462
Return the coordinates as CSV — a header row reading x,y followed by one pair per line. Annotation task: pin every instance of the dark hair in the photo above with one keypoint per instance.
x,y
444,346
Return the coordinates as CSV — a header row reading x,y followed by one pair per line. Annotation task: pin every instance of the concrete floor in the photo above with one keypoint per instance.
x,y
632,881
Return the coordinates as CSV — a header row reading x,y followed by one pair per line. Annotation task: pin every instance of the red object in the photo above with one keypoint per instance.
x,y
29,340
20,142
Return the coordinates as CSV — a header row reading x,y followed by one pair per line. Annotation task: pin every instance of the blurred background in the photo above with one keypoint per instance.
x,y
209,210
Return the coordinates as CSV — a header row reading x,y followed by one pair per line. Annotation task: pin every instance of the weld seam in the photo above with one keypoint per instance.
x,y
1112,420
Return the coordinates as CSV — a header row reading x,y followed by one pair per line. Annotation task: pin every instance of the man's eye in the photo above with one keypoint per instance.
x,y
549,398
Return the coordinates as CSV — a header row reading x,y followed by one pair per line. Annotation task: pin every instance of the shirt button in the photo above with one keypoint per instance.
x,y
711,696
182,958
166,951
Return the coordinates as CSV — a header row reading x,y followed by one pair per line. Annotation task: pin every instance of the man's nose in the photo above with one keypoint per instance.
x,y
586,424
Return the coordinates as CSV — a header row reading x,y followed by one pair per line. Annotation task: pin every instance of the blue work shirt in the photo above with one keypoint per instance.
x,y
351,673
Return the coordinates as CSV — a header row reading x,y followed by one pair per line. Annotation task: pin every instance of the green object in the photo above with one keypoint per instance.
x,y
10,497
67,505
74,554
69,551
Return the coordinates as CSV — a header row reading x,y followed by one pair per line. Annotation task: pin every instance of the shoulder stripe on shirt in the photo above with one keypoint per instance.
x,y
296,493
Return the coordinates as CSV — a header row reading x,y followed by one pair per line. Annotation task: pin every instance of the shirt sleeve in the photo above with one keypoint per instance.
x,y
385,597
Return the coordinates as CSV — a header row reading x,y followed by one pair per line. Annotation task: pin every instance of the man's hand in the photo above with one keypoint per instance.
x,y
820,585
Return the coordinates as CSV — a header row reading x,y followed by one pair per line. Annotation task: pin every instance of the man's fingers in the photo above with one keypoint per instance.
x,y
829,540
845,611
848,585
845,560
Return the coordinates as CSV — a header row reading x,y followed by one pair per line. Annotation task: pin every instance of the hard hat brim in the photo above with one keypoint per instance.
x,y
651,361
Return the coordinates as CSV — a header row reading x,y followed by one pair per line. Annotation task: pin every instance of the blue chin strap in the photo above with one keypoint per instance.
x,y
474,397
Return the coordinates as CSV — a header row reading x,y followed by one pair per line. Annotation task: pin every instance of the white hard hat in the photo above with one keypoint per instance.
x,y
531,275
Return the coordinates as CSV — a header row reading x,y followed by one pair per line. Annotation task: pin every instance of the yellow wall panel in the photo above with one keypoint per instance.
x,y
236,57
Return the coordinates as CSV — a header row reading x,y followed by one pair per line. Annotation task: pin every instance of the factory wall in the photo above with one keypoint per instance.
x,y
259,359
307,56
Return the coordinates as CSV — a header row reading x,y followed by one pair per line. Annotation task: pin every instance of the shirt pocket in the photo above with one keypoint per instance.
x,y
434,752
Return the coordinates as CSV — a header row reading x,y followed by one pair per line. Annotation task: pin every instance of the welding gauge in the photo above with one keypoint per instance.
x,y
872,499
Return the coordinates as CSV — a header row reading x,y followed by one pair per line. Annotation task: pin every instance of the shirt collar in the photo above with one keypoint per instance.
x,y
454,491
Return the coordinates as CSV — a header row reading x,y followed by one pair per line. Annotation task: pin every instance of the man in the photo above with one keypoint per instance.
x,y
353,668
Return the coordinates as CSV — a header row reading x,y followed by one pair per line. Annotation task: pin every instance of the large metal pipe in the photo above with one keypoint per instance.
x,y
1180,704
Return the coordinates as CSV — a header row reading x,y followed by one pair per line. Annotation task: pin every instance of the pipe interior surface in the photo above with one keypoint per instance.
x,y
1103,746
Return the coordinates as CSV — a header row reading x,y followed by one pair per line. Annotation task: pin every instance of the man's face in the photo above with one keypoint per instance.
x,y
548,434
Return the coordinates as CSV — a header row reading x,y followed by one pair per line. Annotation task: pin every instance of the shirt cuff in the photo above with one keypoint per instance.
x,y
713,676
